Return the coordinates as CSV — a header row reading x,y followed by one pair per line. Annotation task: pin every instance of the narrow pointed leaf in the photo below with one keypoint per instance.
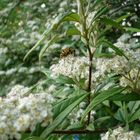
x,y
111,22
54,39
44,35
64,80
68,17
96,2
34,138
133,106
62,115
75,126
73,31
117,50
104,95
131,29
71,17
99,13
59,107
123,17
135,116
125,97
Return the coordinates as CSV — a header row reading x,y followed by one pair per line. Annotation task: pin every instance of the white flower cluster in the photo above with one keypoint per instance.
x,y
119,134
130,46
21,112
107,65
128,69
3,50
9,77
131,79
74,67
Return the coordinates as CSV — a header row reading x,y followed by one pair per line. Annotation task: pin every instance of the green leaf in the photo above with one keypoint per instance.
x,y
24,136
99,53
135,116
131,29
118,103
54,39
60,106
68,17
52,137
65,111
114,24
104,95
125,97
113,47
123,17
99,13
120,115
71,17
73,31
64,80
133,105
75,126
63,92
34,138
96,2
47,73
111,22
44,36
90,127
102,119
137,128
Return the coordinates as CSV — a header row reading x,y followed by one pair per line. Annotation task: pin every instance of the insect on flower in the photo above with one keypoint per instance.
x,y
65,52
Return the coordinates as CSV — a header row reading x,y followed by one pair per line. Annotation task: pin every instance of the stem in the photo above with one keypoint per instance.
x,y
89,81
84,131
79,131
85,35
90,66
128,78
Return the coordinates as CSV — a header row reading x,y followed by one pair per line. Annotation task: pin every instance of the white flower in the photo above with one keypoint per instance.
x,y
2,73
131,79
11,71
18,90
34,69
3,50
118,134
20,112
22,123
43,5
51,88
127,69
74,67
23,70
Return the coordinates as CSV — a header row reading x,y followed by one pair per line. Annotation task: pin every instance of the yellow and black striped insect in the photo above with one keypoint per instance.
x,y
65,52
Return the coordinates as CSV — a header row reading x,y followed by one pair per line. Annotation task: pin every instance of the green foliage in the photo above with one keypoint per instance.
x,y
25,37
104,95
63,109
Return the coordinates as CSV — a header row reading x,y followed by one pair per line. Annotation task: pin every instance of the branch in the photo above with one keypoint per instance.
x,y
78,131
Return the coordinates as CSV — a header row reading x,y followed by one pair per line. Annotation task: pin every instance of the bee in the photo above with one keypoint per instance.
x,y
65,52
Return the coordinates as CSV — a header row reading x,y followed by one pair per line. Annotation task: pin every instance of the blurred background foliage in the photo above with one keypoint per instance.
x,y
22,23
